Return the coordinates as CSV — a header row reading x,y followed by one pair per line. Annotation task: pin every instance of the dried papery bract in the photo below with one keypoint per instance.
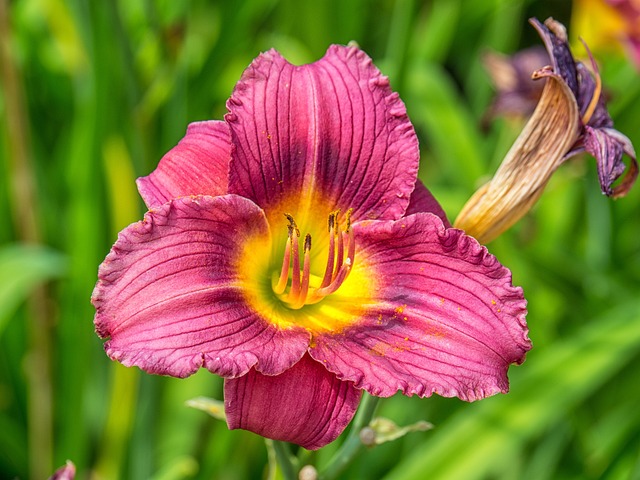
x,y
539,150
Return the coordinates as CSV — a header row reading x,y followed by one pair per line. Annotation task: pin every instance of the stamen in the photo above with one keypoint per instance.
x,y
588,113
320,293
342,272
295,267
340,256
341,243
300,301
337,269
328,272
284,273
348,220
351,252
292,224
280,287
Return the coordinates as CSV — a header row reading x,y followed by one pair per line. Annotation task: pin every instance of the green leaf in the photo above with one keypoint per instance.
x,y
437,108
435,32
178,469
22,268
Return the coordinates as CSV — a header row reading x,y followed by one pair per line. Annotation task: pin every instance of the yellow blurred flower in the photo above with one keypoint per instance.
x,y
608,25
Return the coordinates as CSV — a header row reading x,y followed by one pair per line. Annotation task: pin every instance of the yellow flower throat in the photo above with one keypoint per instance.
x,y
317,287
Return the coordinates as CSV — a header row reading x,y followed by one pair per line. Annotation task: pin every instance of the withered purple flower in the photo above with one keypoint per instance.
x,y
570,118
517,94
291,250
597,135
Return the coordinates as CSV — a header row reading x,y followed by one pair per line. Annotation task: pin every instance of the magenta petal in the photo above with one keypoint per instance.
x,y
333,129
306,405
169,297
198,165
447,319
423,201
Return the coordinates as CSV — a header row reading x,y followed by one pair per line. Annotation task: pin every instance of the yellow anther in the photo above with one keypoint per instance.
x,y
292,224
348,220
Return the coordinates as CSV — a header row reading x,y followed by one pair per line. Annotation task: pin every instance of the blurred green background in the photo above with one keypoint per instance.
x,y
95,92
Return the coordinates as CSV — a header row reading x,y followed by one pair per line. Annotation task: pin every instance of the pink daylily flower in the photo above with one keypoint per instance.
x,y
291,250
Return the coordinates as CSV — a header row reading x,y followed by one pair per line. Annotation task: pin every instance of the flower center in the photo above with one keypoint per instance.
x,y
303,287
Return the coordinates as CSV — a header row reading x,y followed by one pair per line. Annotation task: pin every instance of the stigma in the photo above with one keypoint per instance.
x,y
293,286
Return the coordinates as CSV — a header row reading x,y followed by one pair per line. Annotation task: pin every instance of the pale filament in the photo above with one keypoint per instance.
x,y
336,272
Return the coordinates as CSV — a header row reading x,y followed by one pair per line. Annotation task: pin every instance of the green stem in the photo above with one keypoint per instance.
x,y
286,461
119,422
352,445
